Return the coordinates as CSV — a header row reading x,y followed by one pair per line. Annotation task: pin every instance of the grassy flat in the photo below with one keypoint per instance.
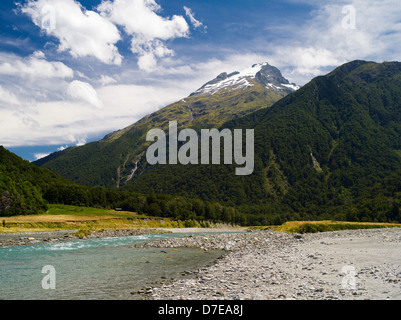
x,y
65,217
322,226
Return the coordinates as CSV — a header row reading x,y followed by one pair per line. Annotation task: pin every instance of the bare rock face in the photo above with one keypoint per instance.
x,y
6,201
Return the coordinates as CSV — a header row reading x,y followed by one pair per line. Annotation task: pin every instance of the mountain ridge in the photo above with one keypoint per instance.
x,y
112,161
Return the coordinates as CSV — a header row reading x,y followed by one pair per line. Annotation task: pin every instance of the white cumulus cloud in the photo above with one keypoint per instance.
x,y
324,41
94,33
148,29
35,66
81,32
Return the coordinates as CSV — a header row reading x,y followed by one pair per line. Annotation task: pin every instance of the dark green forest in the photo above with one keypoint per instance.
x,y
20,181
176,207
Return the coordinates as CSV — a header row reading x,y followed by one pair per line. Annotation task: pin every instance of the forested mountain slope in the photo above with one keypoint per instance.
x,y
330,150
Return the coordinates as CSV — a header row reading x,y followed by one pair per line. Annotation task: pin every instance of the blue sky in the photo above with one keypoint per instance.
x,y
72,71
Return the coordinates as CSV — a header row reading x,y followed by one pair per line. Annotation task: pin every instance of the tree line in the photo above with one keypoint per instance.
x,y
158,205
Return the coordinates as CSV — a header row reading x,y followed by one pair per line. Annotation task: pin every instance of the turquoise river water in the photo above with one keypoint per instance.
x,y
93,269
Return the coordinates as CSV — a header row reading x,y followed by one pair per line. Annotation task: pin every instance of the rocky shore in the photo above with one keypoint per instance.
x,y
352,264
16,239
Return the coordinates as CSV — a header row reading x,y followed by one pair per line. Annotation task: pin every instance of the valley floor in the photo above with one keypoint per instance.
x,y
344,265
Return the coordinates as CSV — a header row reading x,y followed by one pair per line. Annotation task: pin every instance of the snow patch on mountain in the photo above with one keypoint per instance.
x,y
291,86
270,77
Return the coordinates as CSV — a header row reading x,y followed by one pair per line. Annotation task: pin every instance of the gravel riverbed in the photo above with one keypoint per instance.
x,y
341,265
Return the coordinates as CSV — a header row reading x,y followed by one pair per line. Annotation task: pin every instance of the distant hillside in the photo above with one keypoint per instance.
x,y
20,185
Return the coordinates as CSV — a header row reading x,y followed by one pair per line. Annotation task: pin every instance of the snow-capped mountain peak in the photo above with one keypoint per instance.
x,y
263,73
